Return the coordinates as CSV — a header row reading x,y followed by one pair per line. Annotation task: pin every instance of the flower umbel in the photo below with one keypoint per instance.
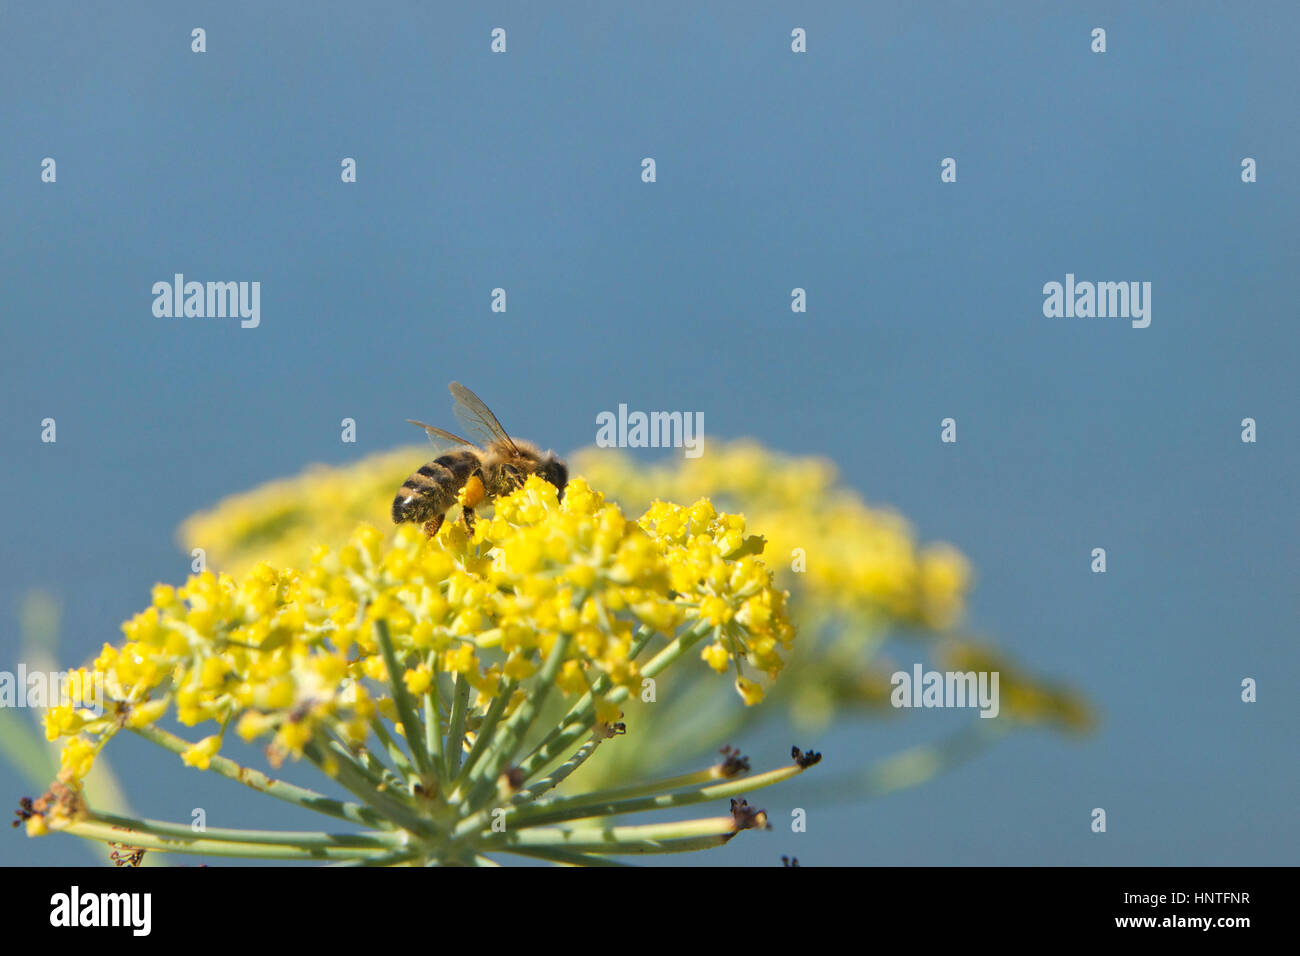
x,y
447,683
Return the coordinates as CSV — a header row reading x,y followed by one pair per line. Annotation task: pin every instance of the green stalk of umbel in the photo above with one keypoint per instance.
x,y
455,811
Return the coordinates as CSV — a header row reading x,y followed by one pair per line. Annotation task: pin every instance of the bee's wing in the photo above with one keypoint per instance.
x,y
476,417
442,440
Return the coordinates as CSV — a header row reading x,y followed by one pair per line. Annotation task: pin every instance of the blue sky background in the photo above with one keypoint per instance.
x,y
775,170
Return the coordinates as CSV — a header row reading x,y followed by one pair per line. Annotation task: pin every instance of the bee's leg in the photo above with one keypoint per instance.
x,y
431,526
470,497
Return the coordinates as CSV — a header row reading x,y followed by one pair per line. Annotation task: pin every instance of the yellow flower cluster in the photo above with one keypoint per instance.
x,y
822,539
281,652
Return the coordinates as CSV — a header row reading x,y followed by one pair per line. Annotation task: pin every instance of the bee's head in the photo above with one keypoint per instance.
x,y
555,471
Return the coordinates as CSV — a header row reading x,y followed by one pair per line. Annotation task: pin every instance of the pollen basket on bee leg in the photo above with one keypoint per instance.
x,y
472,493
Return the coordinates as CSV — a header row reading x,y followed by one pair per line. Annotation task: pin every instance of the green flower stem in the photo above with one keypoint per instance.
x,y
583,721
394,750
690,723
192,844
365,763
676,649
455,749
414,731
392,858
484,736
433,719
601,804
256,780
647,838
559,745
557,776
586,702
297,838
661,786
386,804
558,855
511,734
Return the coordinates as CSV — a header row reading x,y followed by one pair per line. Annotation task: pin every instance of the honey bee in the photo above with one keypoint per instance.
x,y
471,473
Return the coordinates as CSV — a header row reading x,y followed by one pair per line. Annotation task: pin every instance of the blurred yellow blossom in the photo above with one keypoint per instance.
x,y
821,538
280,522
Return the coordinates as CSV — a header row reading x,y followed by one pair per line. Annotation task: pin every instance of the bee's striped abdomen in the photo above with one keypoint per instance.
x,y
432,489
